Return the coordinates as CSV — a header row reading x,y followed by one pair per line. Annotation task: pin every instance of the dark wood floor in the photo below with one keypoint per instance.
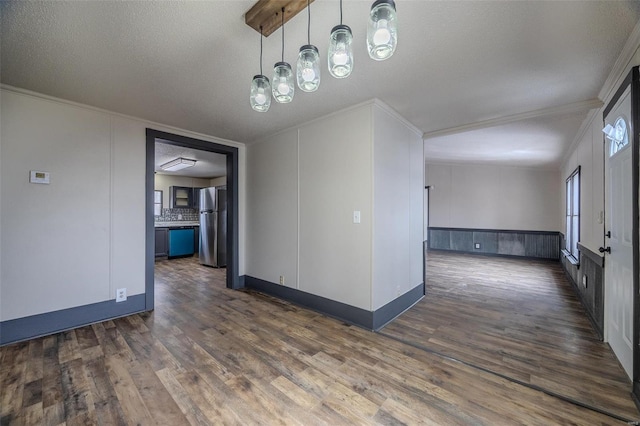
x,y
518,318
208,355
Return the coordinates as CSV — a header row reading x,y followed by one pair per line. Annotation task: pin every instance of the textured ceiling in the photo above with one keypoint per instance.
x,y
208,164
190,64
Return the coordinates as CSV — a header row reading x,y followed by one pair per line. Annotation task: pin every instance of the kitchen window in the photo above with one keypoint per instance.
x,y
572,230
157,203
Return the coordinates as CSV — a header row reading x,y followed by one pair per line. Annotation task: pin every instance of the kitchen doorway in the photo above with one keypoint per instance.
x,y
232,251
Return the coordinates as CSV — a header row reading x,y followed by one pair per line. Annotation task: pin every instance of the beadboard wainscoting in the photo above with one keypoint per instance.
x,y
533,244
587,277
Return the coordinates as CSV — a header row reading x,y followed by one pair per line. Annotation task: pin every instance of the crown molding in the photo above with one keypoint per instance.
x,y
149,123
582,131
392,112
567,109
618,72
621,65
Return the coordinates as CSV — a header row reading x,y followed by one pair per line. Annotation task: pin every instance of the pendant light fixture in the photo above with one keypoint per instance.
x,y
340,50
382,34
308,66
260,88
283,87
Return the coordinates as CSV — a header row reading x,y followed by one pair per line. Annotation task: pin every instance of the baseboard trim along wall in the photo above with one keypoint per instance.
x,y
531,244
30,327
370,320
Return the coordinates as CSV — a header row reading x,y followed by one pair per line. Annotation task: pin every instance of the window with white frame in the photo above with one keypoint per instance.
x,y
572,230
157,203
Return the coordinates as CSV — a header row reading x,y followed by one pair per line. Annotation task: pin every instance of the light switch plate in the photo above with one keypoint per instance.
x,y
356,216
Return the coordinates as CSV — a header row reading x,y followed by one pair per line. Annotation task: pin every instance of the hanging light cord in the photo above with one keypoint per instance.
x,y
340,12
261,50
283,34
309,23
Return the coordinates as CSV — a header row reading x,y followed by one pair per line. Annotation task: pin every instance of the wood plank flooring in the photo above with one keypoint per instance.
x,y
209,355
518,318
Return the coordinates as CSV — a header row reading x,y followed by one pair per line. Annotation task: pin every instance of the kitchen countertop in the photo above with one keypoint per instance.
x,y
175,224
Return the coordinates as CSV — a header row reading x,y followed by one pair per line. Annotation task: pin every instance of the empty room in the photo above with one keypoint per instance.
x,y
319,212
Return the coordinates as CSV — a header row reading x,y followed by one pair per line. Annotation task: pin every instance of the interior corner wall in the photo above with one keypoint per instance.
x,y
272,213
493,197
76,240
304,185
336,178
398,208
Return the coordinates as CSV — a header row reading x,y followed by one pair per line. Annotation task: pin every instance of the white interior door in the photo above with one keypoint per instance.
x,y
618,284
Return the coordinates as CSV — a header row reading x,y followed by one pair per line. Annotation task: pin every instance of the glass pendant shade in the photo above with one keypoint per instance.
x,y
340,51
308,68
382,31
260,93
283,87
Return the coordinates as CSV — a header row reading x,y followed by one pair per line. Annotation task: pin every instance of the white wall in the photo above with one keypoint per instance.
x,y
588,153
398,176
56,237
163,182
219,181
272,211
75,241
493,197
304,185
335,175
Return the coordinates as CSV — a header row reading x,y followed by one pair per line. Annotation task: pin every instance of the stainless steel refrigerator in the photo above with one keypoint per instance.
x,y
213,226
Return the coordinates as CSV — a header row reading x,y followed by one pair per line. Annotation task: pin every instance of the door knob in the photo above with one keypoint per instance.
x,y
602,250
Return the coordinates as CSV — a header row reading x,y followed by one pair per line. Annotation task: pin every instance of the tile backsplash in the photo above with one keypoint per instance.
x,y
171,215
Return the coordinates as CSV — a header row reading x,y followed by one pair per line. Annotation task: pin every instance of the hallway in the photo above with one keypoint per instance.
x,y
519,319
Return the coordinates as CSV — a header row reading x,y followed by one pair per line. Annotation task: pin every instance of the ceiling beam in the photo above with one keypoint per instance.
x,y
268,14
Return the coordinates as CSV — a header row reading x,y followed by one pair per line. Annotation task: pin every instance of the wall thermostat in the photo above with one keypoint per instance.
x,y
39,177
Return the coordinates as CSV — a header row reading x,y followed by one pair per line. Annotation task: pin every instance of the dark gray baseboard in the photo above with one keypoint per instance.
x,y
370,320
497,242
391,310
30,327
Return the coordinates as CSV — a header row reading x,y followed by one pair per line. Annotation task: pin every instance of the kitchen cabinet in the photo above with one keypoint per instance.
x,y
183,197
196,198
180,197
162,242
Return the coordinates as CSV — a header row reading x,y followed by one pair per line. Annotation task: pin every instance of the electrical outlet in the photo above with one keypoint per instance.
x,y
281,279
121,295
477,245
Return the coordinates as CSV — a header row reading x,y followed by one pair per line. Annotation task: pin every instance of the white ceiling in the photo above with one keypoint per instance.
x,y
190,64
208,164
